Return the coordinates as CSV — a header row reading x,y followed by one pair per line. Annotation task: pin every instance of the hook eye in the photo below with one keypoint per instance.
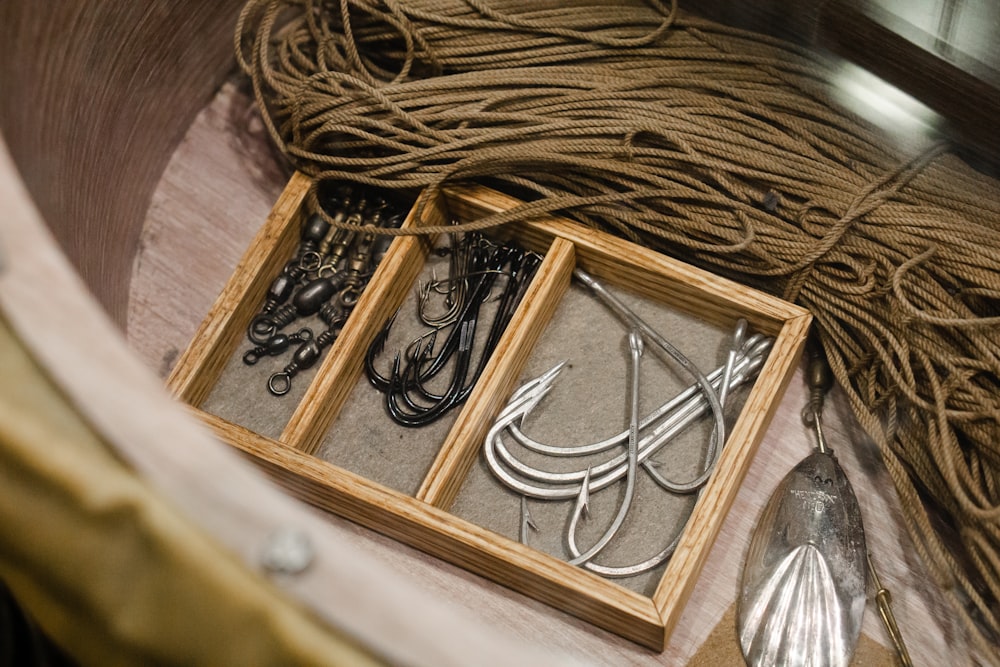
x,y
349,297
261,329
251,357
279,384
305,334
310,261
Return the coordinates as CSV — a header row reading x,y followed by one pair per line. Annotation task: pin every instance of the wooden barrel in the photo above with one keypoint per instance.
x,y
94,98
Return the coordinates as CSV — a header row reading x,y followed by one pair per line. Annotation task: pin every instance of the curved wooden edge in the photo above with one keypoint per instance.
x,y
48,307
450,538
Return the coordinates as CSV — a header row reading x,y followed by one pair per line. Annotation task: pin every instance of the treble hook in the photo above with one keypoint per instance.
x,y
462,261
455,299
429,366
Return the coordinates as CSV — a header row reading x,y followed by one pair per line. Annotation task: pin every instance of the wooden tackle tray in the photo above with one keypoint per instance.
x,y
423,521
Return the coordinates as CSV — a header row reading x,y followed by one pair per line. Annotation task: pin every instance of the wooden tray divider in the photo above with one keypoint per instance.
x,y
721,302
459,451
450,538
709,513
201,364
343,363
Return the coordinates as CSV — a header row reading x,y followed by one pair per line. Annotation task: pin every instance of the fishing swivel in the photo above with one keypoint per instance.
x,y
323,280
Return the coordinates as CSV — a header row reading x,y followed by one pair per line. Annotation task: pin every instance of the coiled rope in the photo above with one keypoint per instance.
x,y
718,146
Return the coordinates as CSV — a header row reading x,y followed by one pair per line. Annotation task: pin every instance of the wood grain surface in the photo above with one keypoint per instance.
x,y
438,533
44,302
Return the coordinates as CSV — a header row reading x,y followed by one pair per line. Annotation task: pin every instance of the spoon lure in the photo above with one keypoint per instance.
x,y
805,575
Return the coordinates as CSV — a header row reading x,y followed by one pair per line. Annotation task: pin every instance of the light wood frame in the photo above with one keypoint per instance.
x,y
423,521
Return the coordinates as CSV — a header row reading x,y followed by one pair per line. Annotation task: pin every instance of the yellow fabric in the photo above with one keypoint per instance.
x,y
109,569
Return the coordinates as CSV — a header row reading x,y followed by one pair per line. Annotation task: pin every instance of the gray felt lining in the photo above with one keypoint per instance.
x,y
241,395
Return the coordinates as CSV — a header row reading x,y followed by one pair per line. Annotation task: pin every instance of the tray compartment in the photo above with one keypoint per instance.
x,y
490,394
588,403
411,460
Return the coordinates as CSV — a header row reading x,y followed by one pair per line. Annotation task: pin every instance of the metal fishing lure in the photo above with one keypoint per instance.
x,y
805,576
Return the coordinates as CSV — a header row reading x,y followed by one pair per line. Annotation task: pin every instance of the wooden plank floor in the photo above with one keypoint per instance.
x,y
214,194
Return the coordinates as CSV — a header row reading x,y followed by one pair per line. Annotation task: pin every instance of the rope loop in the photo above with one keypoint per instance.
x,y
863,204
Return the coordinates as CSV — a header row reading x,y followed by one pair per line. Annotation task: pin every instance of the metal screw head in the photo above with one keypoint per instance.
x,y
288,551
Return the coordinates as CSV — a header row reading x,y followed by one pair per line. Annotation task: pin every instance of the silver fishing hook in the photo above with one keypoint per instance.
x,y
645,437
554,486
632,469
756,346
727,374
634,321
622,571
